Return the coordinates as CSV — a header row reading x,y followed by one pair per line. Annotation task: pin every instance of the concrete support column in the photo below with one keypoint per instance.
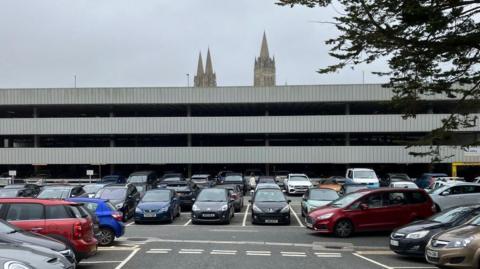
x,y
36,139
347,139
430,109
267,169
189,170
189,136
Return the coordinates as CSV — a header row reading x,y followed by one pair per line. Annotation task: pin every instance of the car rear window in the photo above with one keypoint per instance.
x,y
77,212
25,212
91,206
57,212
110,206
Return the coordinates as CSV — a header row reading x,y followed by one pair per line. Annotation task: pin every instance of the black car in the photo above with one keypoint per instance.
x,y
115,179
148,178
410,240
270,206
25,256
213,205
12,234
61,192
186,192
169,178
236,193
266,179
235,179
124,197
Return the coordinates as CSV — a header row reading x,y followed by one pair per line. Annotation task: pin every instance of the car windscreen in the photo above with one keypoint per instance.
x,y
113,179
137,179
157,196
179,187
8,193
110,206
451,215
172,179
346,200
212,195
6,227
323,195
54,194
199,179
291,179
269,196
266,180
112,194
267,186
364,174
234,179
92,188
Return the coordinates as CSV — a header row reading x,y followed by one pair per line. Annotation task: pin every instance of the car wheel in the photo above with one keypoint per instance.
x,y
342,191
437,208
105,237
343,228
303,213
170,219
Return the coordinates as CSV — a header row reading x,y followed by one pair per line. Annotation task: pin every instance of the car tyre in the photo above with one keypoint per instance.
x,y
343,228
171,218
179,210
106,237
303,213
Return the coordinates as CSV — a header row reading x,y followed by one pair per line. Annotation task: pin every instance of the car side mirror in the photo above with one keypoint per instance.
x,y
289,201
363,206
445,193
250,201
193,199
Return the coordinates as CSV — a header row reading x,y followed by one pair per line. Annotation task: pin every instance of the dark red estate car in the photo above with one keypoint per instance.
x,y
65,221
371,210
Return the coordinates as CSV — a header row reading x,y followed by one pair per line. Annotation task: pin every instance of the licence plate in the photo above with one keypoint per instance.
x,y
394,243
149,215
208,215
431,253
271,221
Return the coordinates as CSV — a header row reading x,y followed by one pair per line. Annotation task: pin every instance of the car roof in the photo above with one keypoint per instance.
x,y
297,175
200,175
35,200
60,186
81,200
361,169
141,173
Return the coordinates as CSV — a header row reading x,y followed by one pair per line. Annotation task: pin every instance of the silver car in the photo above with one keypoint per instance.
x,y
31,257
455,194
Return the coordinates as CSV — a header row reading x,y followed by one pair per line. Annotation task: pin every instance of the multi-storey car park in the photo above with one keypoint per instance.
x,y
318,129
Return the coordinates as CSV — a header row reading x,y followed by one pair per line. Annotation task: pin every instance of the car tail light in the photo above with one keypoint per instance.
x,y
77,230
234,196
117,215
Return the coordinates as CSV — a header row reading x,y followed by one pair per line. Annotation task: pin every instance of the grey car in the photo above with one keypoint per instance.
x,y
455,194
31,257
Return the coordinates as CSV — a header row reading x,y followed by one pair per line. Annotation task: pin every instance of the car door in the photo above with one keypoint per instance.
x,y
471,194
57,217
373,217
451,197
397,211
28,216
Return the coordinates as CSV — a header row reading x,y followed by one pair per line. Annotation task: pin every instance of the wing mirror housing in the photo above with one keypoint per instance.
x,y
363,206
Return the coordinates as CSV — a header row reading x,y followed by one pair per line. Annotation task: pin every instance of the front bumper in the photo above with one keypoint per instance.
x,y
271,218
452,258
210,216
409,247
321,226
160,216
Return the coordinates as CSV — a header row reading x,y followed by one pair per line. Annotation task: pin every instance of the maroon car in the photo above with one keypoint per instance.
x,y
371,210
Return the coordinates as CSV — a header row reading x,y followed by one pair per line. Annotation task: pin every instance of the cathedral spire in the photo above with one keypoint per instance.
x,y
209,66
264,71
200,65
264,50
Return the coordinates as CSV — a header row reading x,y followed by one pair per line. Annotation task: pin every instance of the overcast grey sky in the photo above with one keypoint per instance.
x,y
116,43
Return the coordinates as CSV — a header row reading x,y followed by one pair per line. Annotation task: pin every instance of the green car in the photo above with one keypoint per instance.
x,y
315,198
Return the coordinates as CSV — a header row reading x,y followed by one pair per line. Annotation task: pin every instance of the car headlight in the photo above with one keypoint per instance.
x,y
460,243
138,210
163,209
66,252
325,216
195,208
256,209
417,235
15,265
224,208
285,209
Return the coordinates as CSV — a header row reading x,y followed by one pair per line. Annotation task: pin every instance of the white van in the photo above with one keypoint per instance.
x,y
362,176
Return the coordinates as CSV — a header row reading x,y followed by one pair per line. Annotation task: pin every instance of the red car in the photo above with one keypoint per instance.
x,y
371,210
65,221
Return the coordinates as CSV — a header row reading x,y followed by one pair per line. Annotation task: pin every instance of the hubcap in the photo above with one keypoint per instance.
x,y
105,237
343,228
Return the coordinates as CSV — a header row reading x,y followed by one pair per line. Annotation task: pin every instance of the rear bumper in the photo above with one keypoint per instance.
x,y
84,249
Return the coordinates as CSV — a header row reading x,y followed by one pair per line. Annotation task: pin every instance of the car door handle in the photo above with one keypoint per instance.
x,y
36,229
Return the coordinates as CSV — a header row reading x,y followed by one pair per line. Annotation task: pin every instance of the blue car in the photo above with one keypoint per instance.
x,y
157,205
110,220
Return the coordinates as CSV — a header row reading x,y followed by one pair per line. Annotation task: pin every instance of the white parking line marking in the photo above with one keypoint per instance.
x,y
294,255
130,223
296,216
161,249
328,255
245,216
188,222
413,267
223,252
376,252
99,262
122,264
258,253
372,261
157,252
116,249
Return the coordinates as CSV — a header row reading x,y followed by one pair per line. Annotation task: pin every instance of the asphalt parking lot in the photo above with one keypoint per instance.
x,y
243,245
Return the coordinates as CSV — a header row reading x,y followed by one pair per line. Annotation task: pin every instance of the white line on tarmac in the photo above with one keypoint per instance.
x,y
296,217
188,222
372,261
157,252
130,224
116,249
99,262
415,267
246,214
122,264
295,255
